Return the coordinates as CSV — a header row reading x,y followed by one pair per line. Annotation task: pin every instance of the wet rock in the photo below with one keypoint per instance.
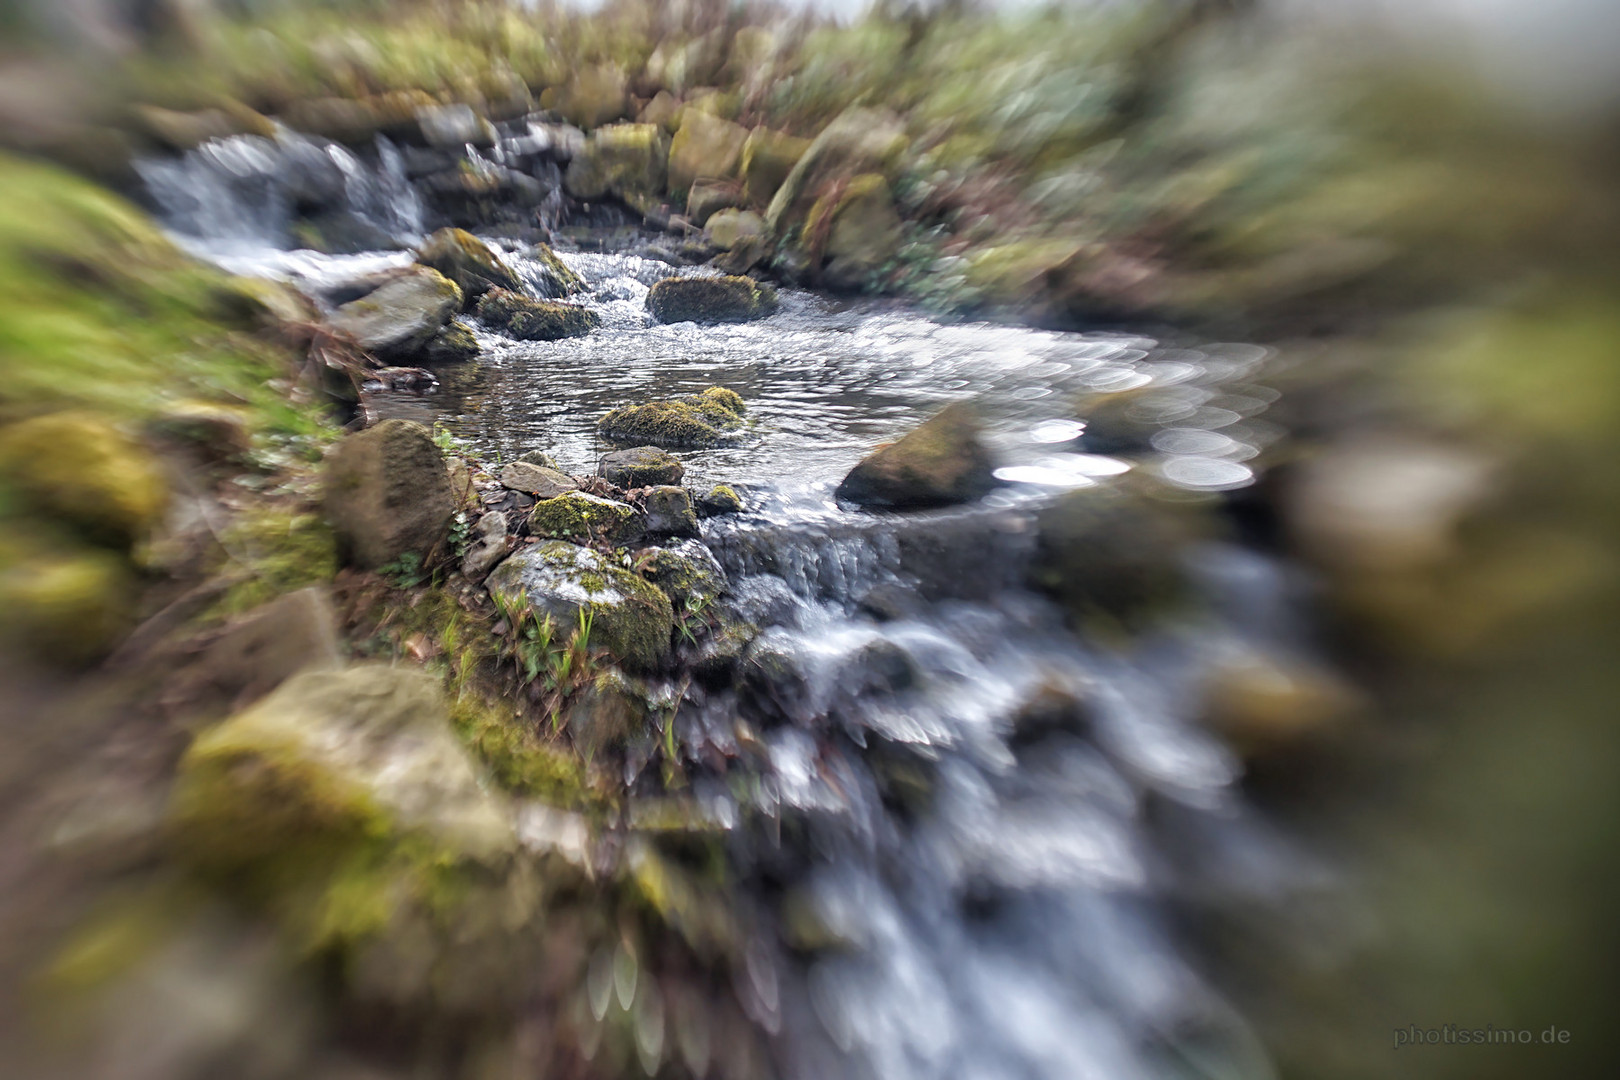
x,y
710,300
625,160
388,494
268,305
578,515
717,501
606,715
266,647
728,228
467,261
538,480
535,320
859,140
482,197
888,601
182,131
668,511
861,232
705,146
941,462
708,197
455,344
712,418
688,573
399,378
594,96
548,275
397,320
488,545
1117,551
452,127
79,469
332,760
630,617
343,120
767,158
640,466
1052,708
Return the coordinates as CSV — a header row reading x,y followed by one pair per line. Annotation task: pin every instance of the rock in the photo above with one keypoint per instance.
x,y
452,127
461,481
605,715
709,300
488,545
1263,703
668,511
595,96
475,197
64,603
712,418
221,432
663,110
938,463
727,228
342,120
535,320
397,320
577,515
1116,551
263,304
689,574
182,131
630,617
340,232
539,457
767,158
388,494
704,147
625,160
860,140
719,500
1051,708
709,197
82,471
330,762
855,231
539,480
267,646
641,466
467,261
548,275
455,344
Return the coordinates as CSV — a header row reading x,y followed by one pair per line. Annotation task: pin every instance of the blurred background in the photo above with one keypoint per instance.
x,y
1391,228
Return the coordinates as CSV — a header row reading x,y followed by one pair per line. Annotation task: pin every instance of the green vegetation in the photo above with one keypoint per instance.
x,y
535,320
712,418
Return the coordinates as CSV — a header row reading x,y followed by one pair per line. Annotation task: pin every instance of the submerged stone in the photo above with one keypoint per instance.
x,y
629,617
709,300
535,320
467,261
941,462
712,418
640,466
388,493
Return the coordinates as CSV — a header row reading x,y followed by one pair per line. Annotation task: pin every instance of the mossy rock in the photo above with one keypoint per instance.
x,y
940,462
388,494
576,515
516,759
860,140
630,617
855,230
708,197
640,466
668,511
398,319
704,146
455,344
63,603
625,160
689,575
719,500
729,228
767,158
709,300
221,432
467,261
79,469
606,714
595,95
549,276
712,418
535,320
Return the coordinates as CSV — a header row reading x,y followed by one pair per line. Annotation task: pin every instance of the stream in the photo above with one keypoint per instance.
x,y
989,825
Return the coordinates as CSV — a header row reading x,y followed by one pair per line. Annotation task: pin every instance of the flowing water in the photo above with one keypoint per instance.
x,y
992,883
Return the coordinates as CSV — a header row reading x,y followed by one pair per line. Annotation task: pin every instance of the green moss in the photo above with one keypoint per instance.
x,y
535,320
63,601
516,757
277,550
712,418
576,515
467,261
709,300
77,468
562,281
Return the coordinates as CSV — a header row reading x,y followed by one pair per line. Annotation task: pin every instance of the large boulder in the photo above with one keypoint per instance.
x,y
767,158
728,228
860,140
578,515
542,481
709,300
705,146
854,231
535,320
397,320
334,760
640,466
712,418
388,494
625,160
80,470
689,575
943,461
467,261
708,197
596,95
629,617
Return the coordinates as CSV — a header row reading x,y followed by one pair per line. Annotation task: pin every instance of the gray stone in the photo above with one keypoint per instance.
x,y
488,545
537,480
398,319
943,461
669,511
451,127
388,493
629,617
640,466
